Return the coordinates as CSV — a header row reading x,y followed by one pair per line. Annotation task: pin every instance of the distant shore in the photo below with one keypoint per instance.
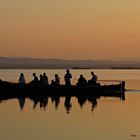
x,y
121,68
40,63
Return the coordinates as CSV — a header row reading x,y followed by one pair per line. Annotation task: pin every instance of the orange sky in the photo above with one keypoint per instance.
x,y
70,29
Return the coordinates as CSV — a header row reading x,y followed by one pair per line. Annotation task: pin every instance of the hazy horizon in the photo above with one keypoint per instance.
x,y
72,59
70,29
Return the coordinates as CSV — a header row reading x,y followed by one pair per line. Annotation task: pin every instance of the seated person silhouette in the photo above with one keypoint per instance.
x,y
21,80
93,80
56,82
35,81
82,81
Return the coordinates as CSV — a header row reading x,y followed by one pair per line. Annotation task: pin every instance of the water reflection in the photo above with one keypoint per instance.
x,y
56,100
68,104
21,103
42,101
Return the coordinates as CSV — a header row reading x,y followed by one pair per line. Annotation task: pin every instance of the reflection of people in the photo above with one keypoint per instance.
x,y
93,101
68,104
21,103
81,81
93,80
43,101
81,100
67,78
21,79
56,100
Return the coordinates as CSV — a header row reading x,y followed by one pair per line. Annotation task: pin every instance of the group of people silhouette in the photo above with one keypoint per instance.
x,y
43,80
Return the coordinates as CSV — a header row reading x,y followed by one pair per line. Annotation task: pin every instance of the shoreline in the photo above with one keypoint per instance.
x,y
71,68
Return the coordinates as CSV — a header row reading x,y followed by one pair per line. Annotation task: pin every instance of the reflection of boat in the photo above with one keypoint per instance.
x,y
42,101
10,89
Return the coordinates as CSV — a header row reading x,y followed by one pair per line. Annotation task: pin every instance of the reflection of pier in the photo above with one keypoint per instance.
x,y
42,101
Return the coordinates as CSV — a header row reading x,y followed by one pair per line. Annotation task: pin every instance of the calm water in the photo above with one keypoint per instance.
x,y
99,119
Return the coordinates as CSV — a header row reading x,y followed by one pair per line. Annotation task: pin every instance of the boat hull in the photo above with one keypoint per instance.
x,y
61,90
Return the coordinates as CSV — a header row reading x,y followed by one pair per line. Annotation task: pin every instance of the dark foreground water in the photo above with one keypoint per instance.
x,y
105,118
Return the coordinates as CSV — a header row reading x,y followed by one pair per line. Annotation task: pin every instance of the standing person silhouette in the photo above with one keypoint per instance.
x,y
67,78
45,78
94,78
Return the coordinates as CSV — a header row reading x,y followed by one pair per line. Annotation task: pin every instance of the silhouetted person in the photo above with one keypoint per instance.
x,y
82,81
93,80
52,83
67,78
41,81
35,80
56,81
21,79
45,78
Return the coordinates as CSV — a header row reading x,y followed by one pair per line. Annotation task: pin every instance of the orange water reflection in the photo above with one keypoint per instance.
x,y
110,119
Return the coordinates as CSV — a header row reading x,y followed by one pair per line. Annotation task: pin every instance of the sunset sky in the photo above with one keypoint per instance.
x,y
70,29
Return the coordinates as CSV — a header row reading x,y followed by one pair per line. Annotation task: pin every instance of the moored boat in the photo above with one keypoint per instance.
x,y
14,89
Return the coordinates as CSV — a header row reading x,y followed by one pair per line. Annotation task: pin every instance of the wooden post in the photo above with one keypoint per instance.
x,y
123,85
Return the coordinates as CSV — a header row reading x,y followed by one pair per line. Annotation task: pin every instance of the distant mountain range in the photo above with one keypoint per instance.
x,y
39,63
